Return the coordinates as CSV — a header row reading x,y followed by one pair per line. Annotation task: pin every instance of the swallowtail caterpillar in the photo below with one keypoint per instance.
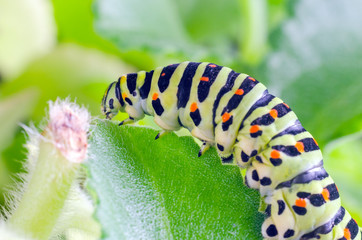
x,y
251,129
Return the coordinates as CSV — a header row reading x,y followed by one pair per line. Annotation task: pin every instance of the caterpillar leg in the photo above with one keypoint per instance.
x,y
161,134
258,176
252,178
127,121
205,146
225,153
244,151
271,230
280,222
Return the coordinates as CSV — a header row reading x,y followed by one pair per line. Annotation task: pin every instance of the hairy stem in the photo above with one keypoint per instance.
x,y
54,159
45,193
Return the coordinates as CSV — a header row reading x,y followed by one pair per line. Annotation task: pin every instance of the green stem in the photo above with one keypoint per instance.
x,y
254,31
45,193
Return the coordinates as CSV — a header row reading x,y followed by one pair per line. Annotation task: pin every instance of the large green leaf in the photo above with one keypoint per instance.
x,y
151,189
316,66
210,30
205,21
75,24
136,24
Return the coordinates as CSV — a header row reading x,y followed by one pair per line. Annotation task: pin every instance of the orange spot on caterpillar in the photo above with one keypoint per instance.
x,y
299,146
252,79
225,117
124,95
212,65
254,129
325,194
163,74
123,79
300,202
273,113
347,234
275,154
205,79
286,105
193,107
155,96
239,92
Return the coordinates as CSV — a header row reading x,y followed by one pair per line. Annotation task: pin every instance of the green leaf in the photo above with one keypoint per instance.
x,y
136,24
208,30
161,190
316,66
210,22
344,156
75,24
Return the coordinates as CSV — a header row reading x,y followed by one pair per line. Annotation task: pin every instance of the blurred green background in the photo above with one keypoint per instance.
x,y
307,52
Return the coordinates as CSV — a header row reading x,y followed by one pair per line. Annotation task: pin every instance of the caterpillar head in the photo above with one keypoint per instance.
x,y
112,102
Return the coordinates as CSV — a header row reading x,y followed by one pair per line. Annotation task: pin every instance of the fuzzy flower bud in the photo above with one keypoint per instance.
x,y
68,126
52,168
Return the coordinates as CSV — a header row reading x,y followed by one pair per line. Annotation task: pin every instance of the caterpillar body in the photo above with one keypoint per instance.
x,y
250,128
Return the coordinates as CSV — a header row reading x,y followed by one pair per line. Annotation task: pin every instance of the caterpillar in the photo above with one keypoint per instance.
x,y
250,128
